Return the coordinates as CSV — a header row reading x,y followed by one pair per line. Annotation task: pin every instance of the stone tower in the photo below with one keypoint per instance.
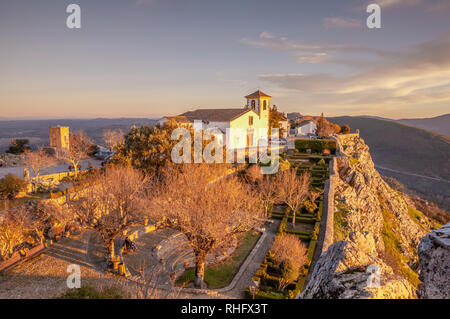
x,y
59,138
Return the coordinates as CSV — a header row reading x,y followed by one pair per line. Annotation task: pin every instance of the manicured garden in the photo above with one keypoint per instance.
x,y
271,274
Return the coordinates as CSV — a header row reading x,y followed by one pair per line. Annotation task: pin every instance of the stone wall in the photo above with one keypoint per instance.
x,y
328,207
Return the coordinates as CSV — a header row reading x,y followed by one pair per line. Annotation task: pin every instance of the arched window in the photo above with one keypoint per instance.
x,y
253,104
265,105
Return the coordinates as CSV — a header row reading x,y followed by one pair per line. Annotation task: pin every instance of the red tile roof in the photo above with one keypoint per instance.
x,y
257,94
215,115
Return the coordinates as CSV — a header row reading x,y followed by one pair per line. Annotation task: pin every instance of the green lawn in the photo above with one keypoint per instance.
x,y
220,275
7,204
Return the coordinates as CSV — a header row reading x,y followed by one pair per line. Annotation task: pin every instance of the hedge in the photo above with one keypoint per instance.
x,y
316,146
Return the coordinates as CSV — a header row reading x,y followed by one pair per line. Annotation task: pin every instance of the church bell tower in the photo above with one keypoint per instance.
x,y
260,102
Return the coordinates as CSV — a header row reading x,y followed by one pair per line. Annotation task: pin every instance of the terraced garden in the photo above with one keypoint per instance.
x,y
307,223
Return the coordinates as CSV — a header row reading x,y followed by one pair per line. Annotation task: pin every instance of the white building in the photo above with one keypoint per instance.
x,y
306,128
243,127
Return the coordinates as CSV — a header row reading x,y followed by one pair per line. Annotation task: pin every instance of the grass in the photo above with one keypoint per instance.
x,y
393,249
340,222
90,292
418,217
353,161
220,275
5,203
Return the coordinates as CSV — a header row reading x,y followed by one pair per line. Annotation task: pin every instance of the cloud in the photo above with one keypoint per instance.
x,y
419,75
393,3
141,2
427,5
266,35
304,52
341,23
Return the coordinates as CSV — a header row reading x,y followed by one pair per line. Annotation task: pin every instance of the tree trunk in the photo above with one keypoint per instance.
x,y
111,249
75,170
293,219
200,259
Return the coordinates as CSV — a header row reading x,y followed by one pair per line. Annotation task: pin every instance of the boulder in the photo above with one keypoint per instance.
x,y
434,264
352,269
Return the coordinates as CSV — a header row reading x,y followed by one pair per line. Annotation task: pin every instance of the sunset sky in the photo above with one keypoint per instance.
x,y
147,58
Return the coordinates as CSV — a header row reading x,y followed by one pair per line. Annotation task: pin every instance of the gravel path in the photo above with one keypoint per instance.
x,y
46,275
18,170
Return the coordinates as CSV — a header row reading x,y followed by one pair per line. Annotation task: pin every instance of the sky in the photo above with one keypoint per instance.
x,y
149,58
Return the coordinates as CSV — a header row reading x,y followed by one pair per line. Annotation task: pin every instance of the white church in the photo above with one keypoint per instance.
x,y
242,127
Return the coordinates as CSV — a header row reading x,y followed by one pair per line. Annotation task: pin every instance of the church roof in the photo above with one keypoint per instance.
x,y
180,119
257,94
215,115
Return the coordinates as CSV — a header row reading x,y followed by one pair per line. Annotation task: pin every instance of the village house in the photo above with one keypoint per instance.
x,y
306,128
242,127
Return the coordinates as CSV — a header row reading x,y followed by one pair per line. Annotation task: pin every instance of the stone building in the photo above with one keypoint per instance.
x,y
59,138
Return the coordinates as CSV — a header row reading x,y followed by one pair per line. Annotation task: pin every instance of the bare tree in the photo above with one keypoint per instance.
x,y
267,190
293,189
112,204
37,161
253,174
80,145
207,208
113,138
290,254
15,229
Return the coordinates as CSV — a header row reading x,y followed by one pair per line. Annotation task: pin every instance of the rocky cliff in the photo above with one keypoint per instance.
x,y
434,262
375,229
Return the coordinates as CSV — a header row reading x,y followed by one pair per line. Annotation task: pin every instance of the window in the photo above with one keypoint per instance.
x,y
250,120
253,104
265,105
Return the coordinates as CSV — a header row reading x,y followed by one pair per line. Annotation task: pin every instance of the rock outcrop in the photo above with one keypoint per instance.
x,y
353,270
434,263
374,227
367,196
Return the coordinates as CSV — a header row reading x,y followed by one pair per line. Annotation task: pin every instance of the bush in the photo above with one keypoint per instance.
x,y
288,247
90,292
345,129
11,185
289,273
18,146
316,146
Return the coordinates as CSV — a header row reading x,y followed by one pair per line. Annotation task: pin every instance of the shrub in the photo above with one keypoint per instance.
x,y
345,129
316,146
11,185
90,292
289,272
288,247
18,146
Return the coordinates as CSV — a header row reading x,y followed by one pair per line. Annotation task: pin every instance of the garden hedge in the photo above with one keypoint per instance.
x,y
316,146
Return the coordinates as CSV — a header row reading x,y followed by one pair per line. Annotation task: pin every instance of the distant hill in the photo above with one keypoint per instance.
x,y
439,124
405,149
37,130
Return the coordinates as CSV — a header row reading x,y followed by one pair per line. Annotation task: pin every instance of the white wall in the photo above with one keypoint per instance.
x,y
306,129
